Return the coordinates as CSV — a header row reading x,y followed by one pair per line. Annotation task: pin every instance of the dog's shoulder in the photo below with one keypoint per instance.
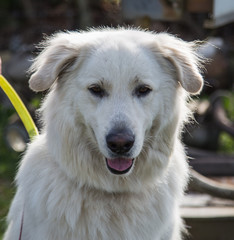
x,y
35,160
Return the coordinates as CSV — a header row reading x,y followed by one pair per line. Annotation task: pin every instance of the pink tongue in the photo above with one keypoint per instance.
x,y
120,164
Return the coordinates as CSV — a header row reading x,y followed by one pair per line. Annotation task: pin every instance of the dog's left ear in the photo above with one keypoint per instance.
x,y
183,57
58,54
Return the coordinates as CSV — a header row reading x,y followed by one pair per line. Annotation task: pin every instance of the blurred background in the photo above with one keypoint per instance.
x,y
209,139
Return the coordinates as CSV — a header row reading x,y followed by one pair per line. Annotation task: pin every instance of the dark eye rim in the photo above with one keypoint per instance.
x,y
97,90
143,90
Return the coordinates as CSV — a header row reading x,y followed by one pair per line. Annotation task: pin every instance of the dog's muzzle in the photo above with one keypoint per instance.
x,y
120,143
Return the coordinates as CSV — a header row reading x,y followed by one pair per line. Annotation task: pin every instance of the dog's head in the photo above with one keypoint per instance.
x,y
116,102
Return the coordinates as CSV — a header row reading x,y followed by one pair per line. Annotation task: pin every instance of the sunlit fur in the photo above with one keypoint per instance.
x,y
64,188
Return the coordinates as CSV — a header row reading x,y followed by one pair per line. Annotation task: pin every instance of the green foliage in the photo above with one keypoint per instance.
x,y
226,142
8,158
8,165
35,102
228,103
6,193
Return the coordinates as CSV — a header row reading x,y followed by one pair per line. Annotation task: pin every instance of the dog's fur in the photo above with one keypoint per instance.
x,y
65,190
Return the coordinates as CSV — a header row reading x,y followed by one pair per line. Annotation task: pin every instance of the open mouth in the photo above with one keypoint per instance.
x,y
119,166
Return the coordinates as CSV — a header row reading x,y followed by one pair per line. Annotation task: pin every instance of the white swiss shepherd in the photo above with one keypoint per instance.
x,y
108,164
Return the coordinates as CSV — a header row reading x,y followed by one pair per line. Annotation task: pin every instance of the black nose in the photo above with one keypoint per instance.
x,y
120,141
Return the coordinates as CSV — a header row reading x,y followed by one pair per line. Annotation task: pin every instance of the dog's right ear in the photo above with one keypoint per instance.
x,y
58,53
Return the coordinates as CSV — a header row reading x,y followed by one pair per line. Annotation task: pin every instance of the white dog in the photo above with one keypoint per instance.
x,y
108,164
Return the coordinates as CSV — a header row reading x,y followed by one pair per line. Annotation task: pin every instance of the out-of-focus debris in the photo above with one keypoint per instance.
x,y
16,68
210,47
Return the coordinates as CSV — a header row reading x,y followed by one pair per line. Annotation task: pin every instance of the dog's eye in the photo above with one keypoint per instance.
x,y
97,91
143,90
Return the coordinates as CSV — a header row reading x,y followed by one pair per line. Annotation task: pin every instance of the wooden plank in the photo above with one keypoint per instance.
x,y
198,6
201,206
208,218
223,213
210,229
210,166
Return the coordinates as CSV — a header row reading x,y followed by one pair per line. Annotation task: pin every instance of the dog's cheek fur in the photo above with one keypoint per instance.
x,y
74,151
67,126
162,136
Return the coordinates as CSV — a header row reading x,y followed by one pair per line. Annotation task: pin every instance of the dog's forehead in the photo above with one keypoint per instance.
x,y
118,52
121,59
